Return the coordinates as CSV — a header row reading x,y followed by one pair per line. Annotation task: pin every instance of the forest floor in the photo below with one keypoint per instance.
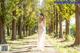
x,y
52,45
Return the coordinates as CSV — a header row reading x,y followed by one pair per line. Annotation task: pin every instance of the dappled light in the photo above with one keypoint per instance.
x,y
39,26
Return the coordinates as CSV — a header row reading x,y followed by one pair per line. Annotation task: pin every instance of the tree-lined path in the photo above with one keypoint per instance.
x,y
29,45
21,19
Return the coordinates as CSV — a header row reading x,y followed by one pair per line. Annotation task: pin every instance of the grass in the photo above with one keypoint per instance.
x,y
62,46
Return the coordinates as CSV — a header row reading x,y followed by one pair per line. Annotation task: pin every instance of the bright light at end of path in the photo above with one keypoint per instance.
x,y
41,3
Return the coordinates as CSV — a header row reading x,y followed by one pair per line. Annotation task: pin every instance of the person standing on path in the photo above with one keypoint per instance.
x,y
41,32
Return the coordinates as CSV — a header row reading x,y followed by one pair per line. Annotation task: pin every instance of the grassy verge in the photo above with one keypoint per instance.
x,y
62,46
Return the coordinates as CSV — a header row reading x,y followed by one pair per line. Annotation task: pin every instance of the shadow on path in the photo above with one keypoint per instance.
x,y
30,46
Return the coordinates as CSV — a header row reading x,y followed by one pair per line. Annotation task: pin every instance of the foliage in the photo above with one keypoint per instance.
x,y
73,30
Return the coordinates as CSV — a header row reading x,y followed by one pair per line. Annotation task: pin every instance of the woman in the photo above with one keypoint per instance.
x,y
41,32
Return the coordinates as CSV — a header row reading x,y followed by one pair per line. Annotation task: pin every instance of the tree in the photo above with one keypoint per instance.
x,y
67,28
2,23
56,23
77,17
14,26
8,30
60,27
20,26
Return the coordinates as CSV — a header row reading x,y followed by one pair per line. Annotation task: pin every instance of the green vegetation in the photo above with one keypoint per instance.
x,y
19,20
64,46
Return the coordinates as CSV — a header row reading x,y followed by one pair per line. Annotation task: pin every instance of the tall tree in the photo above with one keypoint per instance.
x,y
60,27
20,27
2,17
56,23
13,29
14,32
77,17
67,28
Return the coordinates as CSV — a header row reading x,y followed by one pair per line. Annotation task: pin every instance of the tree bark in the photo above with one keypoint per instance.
x,y
24,25
20,28
2,30
26,30
51,26
67,28
56,16
60,27
8,31
14,29
29,31
77,17
56,25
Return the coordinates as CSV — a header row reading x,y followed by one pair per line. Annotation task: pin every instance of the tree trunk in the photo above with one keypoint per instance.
x,y
24,25
29,31
24,30
67,28
51,26
60,27
8,31
14,29
20,28
77,39
2,30
54,20
56,15
56,25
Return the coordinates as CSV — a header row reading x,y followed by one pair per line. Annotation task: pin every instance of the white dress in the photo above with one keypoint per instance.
x,y
41,35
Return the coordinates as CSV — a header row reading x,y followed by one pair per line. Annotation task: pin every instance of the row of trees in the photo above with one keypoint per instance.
x,y
56,14
17,19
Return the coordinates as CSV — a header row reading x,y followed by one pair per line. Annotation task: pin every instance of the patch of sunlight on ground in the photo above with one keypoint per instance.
x,y
20,42
63,46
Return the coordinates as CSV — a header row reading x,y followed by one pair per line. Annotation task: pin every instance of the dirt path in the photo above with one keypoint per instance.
x,y
30,46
